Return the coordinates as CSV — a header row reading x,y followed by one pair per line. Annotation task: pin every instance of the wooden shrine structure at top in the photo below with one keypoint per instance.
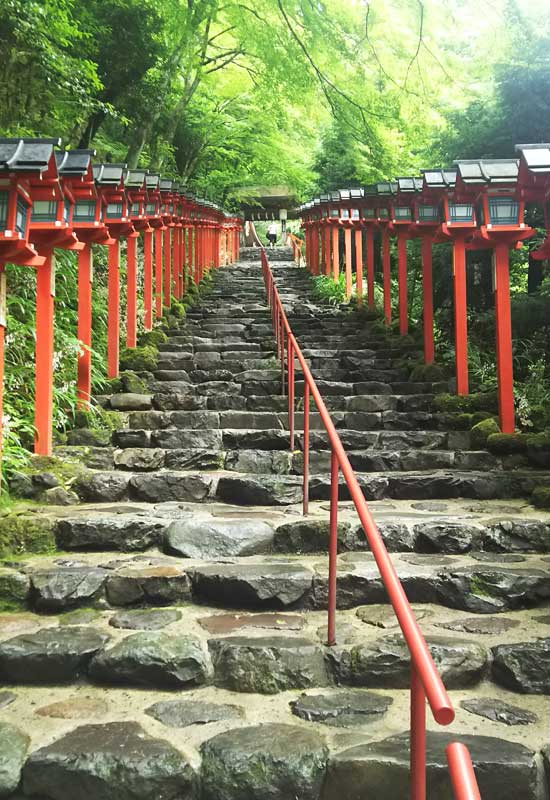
x,y
476,204
51,198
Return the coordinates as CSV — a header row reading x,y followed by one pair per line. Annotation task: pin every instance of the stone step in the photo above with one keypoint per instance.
x,y
451,527
368,442
248,489
265,420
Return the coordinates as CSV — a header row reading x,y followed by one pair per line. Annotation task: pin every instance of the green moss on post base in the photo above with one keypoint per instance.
x,y
507,443
541,497
153,338
482,431
140,359
538,449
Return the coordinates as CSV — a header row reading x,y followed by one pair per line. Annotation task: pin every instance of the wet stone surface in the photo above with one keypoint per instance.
x,y
498,711
145,619
182,713
114,760
272,761
153,659
228,623
50,655
341,709
482,625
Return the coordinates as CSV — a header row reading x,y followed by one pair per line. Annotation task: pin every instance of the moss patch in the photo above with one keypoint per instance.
x,y
428,373
154,338
482,431
132,383
541,497
507,443
140,359
482,401
26,533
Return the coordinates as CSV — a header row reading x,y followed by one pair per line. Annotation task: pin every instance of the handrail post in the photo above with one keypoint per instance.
x,y
461,771
305,450
290,384
281,346
418,737
332,548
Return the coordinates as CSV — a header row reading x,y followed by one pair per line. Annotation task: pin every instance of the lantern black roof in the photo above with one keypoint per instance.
x,y
535,156
325,198
109,174
386,187
74,162
26,155
135,178
410,184
166,185
488,171
152,181
439,178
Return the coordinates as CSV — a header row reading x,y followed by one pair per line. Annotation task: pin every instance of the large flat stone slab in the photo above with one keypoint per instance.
x,y
13,750
267,664
52,655
271,585
523,667
182,713
341,709
153,659
125,532
61,588
385,663
156,584
279,762
109,762
211,538
504,770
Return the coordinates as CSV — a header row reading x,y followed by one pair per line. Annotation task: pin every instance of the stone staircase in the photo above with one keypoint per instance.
x,y
174,648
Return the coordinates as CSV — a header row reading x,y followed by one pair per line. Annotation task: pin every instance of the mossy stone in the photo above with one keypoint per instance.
x,y
481,432
133,384
177,309
507,443
481,401
457,422
479,416
26,533
427,373
538,448
89,437
541,497
154,338
140,359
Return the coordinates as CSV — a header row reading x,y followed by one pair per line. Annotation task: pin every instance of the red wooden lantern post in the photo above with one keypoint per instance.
x,y
347,224
19,159
383,216
167,215
493,184
177,262
110,181
50,227
326,229
402,219
426,226
134,181
459,223
150,234
369,221
316,238
76,172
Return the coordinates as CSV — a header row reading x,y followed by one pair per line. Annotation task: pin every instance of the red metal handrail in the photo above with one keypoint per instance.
x,y
463,779
426,682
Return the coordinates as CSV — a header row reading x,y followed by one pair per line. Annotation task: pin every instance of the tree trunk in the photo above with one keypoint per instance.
x,y
535,274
